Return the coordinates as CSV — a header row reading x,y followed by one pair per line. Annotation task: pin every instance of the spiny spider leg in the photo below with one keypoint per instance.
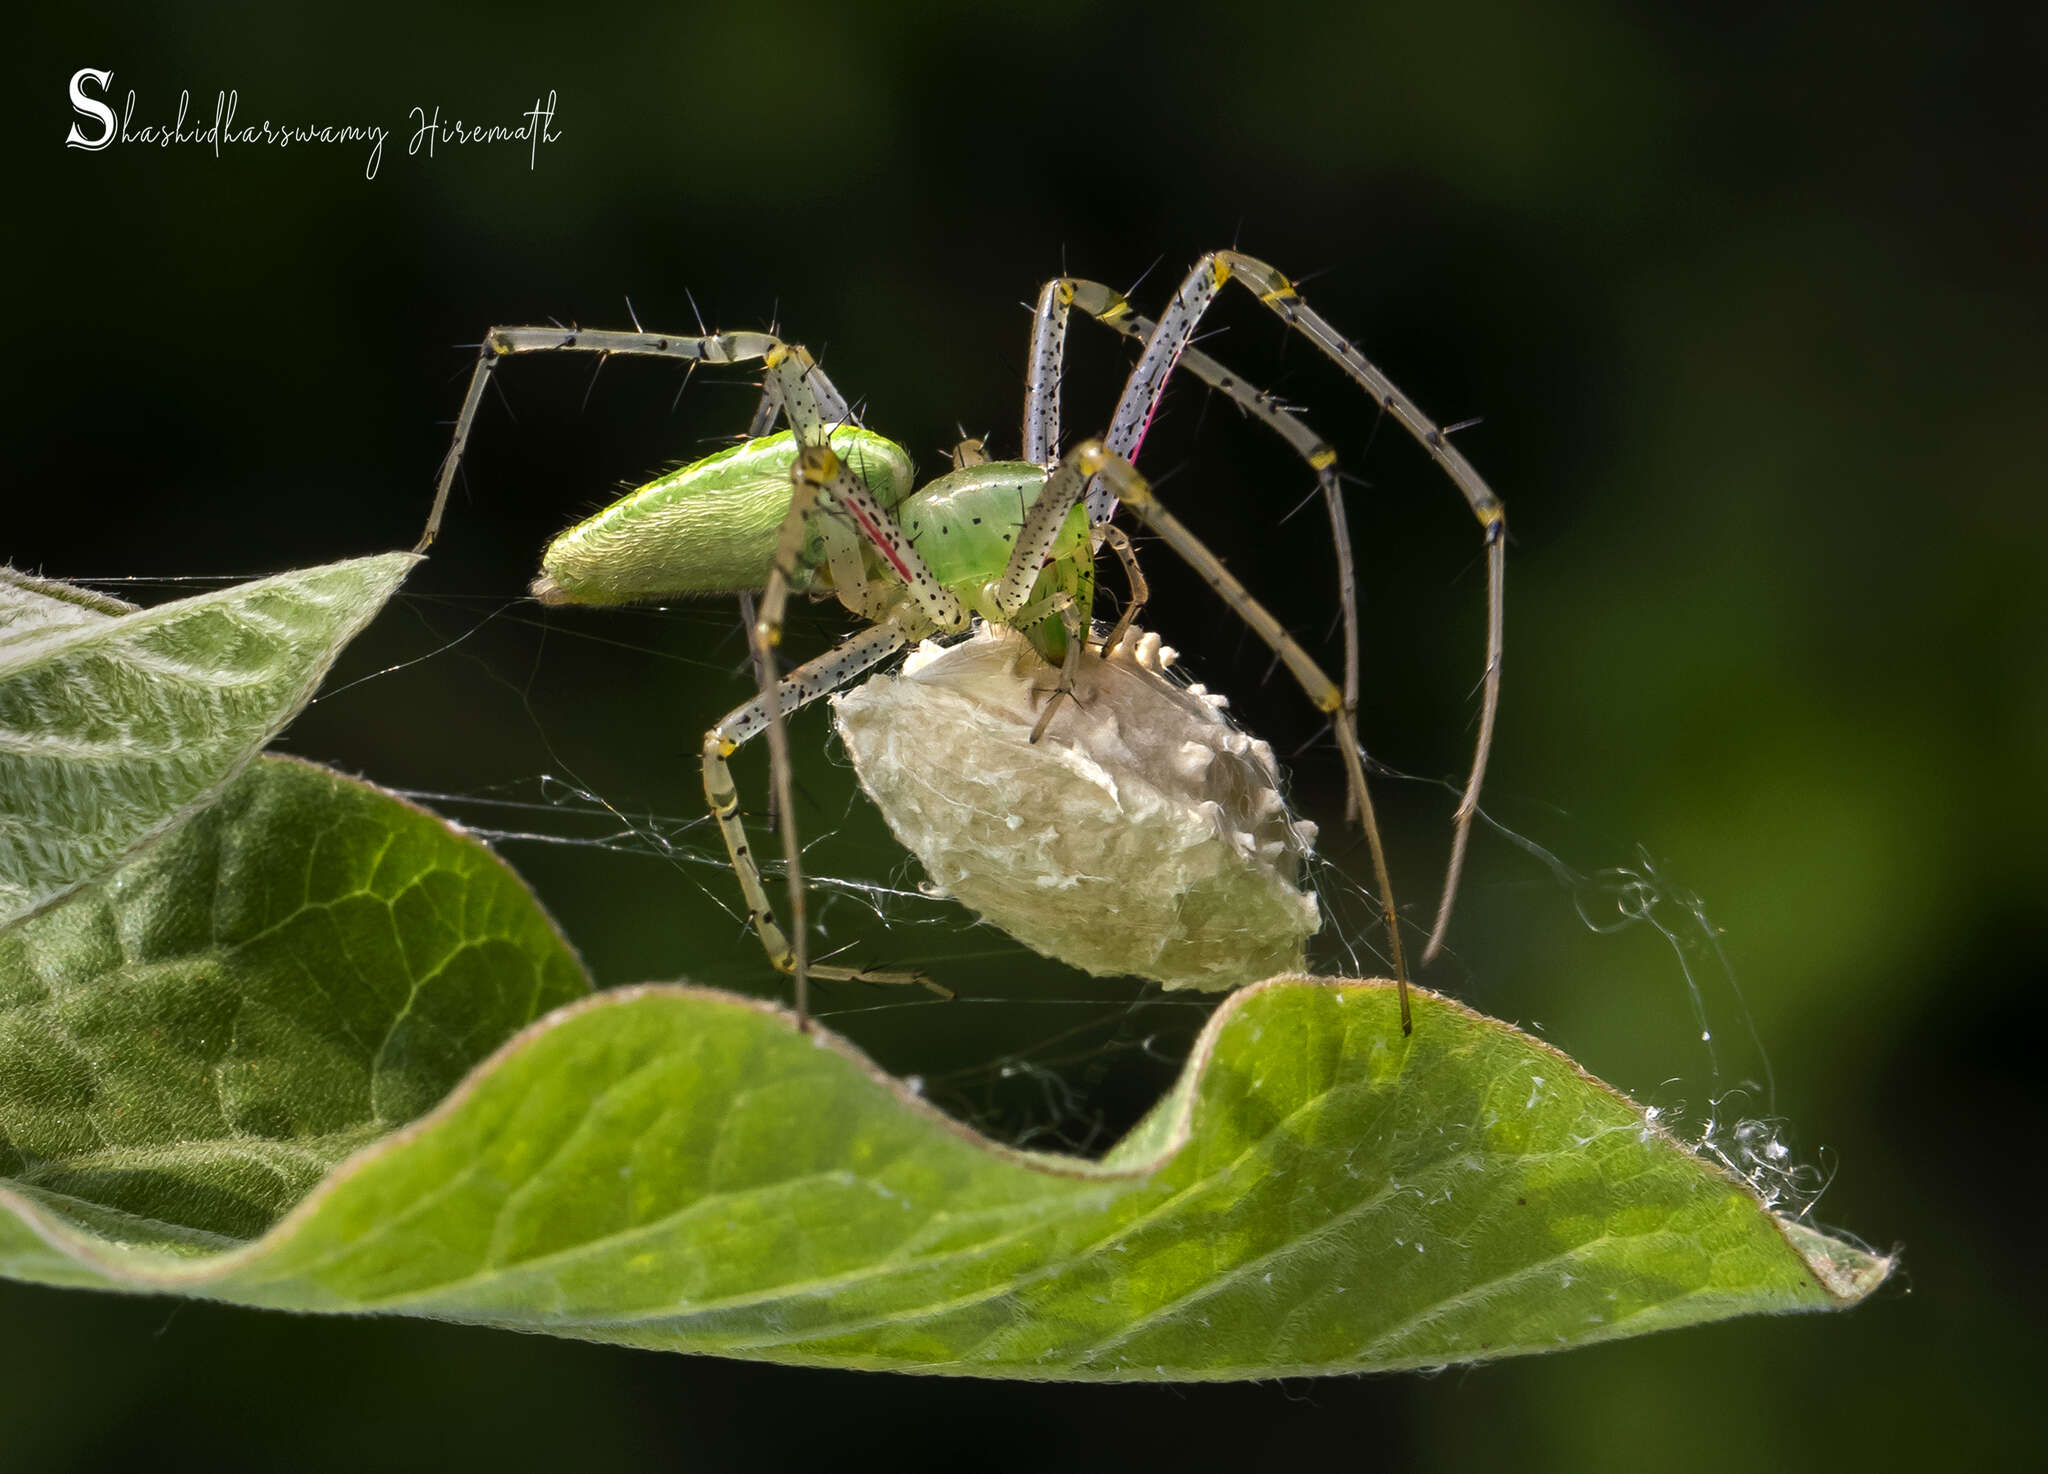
x,y
788,385
1042,375
1070,616
767,410
820,480
1120,544
867,598
835,668
1176,328
1042,524
1033,550
1136,493
818,402
1042,428
757,660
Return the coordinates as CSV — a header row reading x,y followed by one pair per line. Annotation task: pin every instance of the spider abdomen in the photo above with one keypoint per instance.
x,y
706,528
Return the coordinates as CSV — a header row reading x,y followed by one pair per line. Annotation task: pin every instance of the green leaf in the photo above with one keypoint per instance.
x,y
188,1051
31,607
296,972
117,724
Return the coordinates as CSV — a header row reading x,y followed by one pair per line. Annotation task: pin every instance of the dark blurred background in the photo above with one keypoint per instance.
x,y
1749,300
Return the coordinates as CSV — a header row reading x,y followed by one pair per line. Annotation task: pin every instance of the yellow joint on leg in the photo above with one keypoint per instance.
x,y
1282,290
1322,458
1330,700
1065,293
727,747
1219,271
818,463
1118,307
775,355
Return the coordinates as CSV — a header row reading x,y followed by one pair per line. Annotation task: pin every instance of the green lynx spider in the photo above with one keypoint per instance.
x,y
828,506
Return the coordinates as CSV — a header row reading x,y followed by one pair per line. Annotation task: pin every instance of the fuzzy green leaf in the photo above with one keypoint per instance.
x,y
205,1059
296,972
117,724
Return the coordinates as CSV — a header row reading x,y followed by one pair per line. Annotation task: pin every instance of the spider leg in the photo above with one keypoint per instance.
x,y
1265,407
1042,421
1070,616
1136,493
1168,344
767,410
1041,527
1042,374
835,668
1120,544
820,482
812,402
1033,549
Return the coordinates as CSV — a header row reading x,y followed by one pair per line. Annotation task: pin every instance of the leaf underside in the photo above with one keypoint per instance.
x,y
117,723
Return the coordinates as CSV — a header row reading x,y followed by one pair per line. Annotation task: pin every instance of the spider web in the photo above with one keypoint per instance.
x,y
604,818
